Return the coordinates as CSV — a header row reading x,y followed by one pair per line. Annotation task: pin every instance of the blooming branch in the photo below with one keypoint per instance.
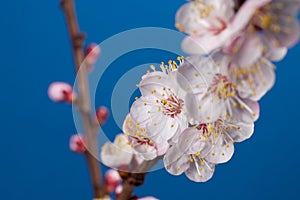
x,y
191,111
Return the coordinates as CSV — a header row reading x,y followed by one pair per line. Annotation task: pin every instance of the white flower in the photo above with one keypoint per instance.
x,y
252,80
274,19
216,95
118,154
201,147
209,24
142,145
189,156
161,109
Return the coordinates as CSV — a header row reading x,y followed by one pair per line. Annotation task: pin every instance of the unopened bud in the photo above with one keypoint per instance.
x,y
61,92
148,198
118,190
112,180
77,144
102,114
92,53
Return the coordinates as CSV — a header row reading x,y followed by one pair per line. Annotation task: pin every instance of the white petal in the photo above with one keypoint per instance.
x,y
246,12
239,131
146,151
251,45
255,80
118,153
154,83
222,150
175,162
244,110
144,110
200,173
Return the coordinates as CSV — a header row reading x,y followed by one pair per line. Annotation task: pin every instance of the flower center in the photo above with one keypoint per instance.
x,y
222,87
172,106
203,127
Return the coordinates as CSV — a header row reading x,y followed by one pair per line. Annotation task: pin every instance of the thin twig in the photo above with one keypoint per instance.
x,y
83,101
140,173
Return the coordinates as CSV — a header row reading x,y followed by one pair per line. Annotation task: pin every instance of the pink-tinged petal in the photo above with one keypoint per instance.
x,y
200,171
222,149
239,131
207,23
60,91
201,45
117,154
199,18
77,144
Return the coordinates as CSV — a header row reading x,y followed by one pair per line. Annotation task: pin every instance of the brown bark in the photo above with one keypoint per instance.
x,y
83,98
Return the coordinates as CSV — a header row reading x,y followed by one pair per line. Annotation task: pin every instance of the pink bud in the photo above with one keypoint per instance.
x,y
118,190
148,198
112,180
102,114
60,91
77,144
92,53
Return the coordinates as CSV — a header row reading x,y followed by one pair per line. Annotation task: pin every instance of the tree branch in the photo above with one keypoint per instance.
x,y
139,175
83,101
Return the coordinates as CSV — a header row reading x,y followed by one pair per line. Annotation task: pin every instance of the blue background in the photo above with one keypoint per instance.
x,y
35,160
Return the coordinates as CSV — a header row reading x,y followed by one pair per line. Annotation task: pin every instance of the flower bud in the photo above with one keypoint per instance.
x,y
92,53
77,144
118,190
60,92
102,114
148,198
112,180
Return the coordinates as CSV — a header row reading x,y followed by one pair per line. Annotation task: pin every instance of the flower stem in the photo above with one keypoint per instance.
x,y
140,173
83,101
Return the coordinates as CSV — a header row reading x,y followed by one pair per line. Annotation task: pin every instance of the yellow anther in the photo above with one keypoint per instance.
x,y
164,102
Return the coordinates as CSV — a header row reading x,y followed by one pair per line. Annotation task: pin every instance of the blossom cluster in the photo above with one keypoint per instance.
x,y
192,111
